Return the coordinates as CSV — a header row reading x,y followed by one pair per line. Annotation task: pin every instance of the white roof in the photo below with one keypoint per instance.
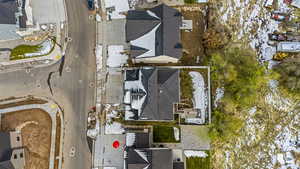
x,y
146,41
288,46
116,56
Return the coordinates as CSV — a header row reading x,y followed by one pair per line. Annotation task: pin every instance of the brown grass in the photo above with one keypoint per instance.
x,y
36,137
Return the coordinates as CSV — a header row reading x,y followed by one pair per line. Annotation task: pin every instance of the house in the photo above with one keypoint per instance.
x,y
139,157
154,35
12,19
150,93
12,155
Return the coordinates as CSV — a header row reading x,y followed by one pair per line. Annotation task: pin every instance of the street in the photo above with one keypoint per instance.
x,y
74,91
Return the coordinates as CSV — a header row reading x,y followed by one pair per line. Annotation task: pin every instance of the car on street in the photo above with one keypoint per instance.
x,y
91,4
279,16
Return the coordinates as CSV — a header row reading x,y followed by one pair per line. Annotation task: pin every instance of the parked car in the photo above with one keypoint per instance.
x,y
279,16
91,4
288,36
288,47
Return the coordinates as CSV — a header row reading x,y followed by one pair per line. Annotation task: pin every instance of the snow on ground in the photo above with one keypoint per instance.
x,y
116,56
191,153
265,142
219,96
200,96
252,22
176,133
111,126
45,48
130,139
98,53
120,7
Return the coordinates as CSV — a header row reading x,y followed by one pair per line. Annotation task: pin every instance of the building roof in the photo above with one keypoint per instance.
x,y
155,92
5,147
6,165
178,165
148,159
8,8
157,31
137,140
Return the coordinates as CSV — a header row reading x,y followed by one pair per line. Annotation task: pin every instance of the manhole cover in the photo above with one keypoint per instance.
x,y
91,17
68,69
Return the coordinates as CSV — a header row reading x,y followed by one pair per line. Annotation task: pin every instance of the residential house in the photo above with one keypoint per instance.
x,y
151,93
12,155
154,35
12,18
138,157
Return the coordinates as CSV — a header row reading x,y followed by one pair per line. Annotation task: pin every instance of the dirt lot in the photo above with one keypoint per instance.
x,y
36,135
192,41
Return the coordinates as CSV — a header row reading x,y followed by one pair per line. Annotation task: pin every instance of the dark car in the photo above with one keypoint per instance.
x,y
279,16
91,4
277,37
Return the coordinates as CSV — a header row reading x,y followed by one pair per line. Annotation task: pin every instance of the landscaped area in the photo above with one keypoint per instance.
x,y
198,162
166,134
30,51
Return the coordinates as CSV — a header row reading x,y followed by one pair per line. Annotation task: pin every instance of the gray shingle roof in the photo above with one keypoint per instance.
x,y
6,165
5,147
167,38
163,91
8,9
156,159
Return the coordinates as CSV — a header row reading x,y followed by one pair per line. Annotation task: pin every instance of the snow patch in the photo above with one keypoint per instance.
x,y
116,56
191,153
176,133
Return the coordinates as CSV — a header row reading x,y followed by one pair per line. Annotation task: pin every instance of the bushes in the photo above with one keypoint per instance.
x,y
190,1
289,73
243,80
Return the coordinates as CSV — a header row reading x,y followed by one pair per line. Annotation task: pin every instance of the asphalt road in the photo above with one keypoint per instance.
x,y
73,91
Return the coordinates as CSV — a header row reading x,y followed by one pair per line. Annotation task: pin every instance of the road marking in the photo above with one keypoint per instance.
x,y
72,152
68,69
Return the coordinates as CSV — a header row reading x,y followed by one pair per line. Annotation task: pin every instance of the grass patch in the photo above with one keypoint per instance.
x,y
190,1
198,162
164,134
20,51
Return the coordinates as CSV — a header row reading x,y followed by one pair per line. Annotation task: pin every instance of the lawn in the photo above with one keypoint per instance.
x,y
198,162
19,51
164,134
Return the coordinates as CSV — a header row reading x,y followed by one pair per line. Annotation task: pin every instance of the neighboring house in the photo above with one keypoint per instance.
x,y
150,93
138,157
12,18
154,35
12,155
288,47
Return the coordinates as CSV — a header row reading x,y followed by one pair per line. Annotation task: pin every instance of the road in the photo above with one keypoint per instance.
x,y
73,91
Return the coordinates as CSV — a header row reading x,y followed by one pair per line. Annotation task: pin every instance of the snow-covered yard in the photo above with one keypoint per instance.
x,y
44,49
116,56
113,127
193,153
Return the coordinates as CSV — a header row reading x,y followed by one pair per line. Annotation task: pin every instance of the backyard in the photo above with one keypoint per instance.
x,y
166,134
198,162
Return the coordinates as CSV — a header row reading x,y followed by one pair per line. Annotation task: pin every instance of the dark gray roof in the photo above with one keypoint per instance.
x,y
162,159
167,39
6,165
141,140
178,165
156,159
8,9
162,86
5,147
